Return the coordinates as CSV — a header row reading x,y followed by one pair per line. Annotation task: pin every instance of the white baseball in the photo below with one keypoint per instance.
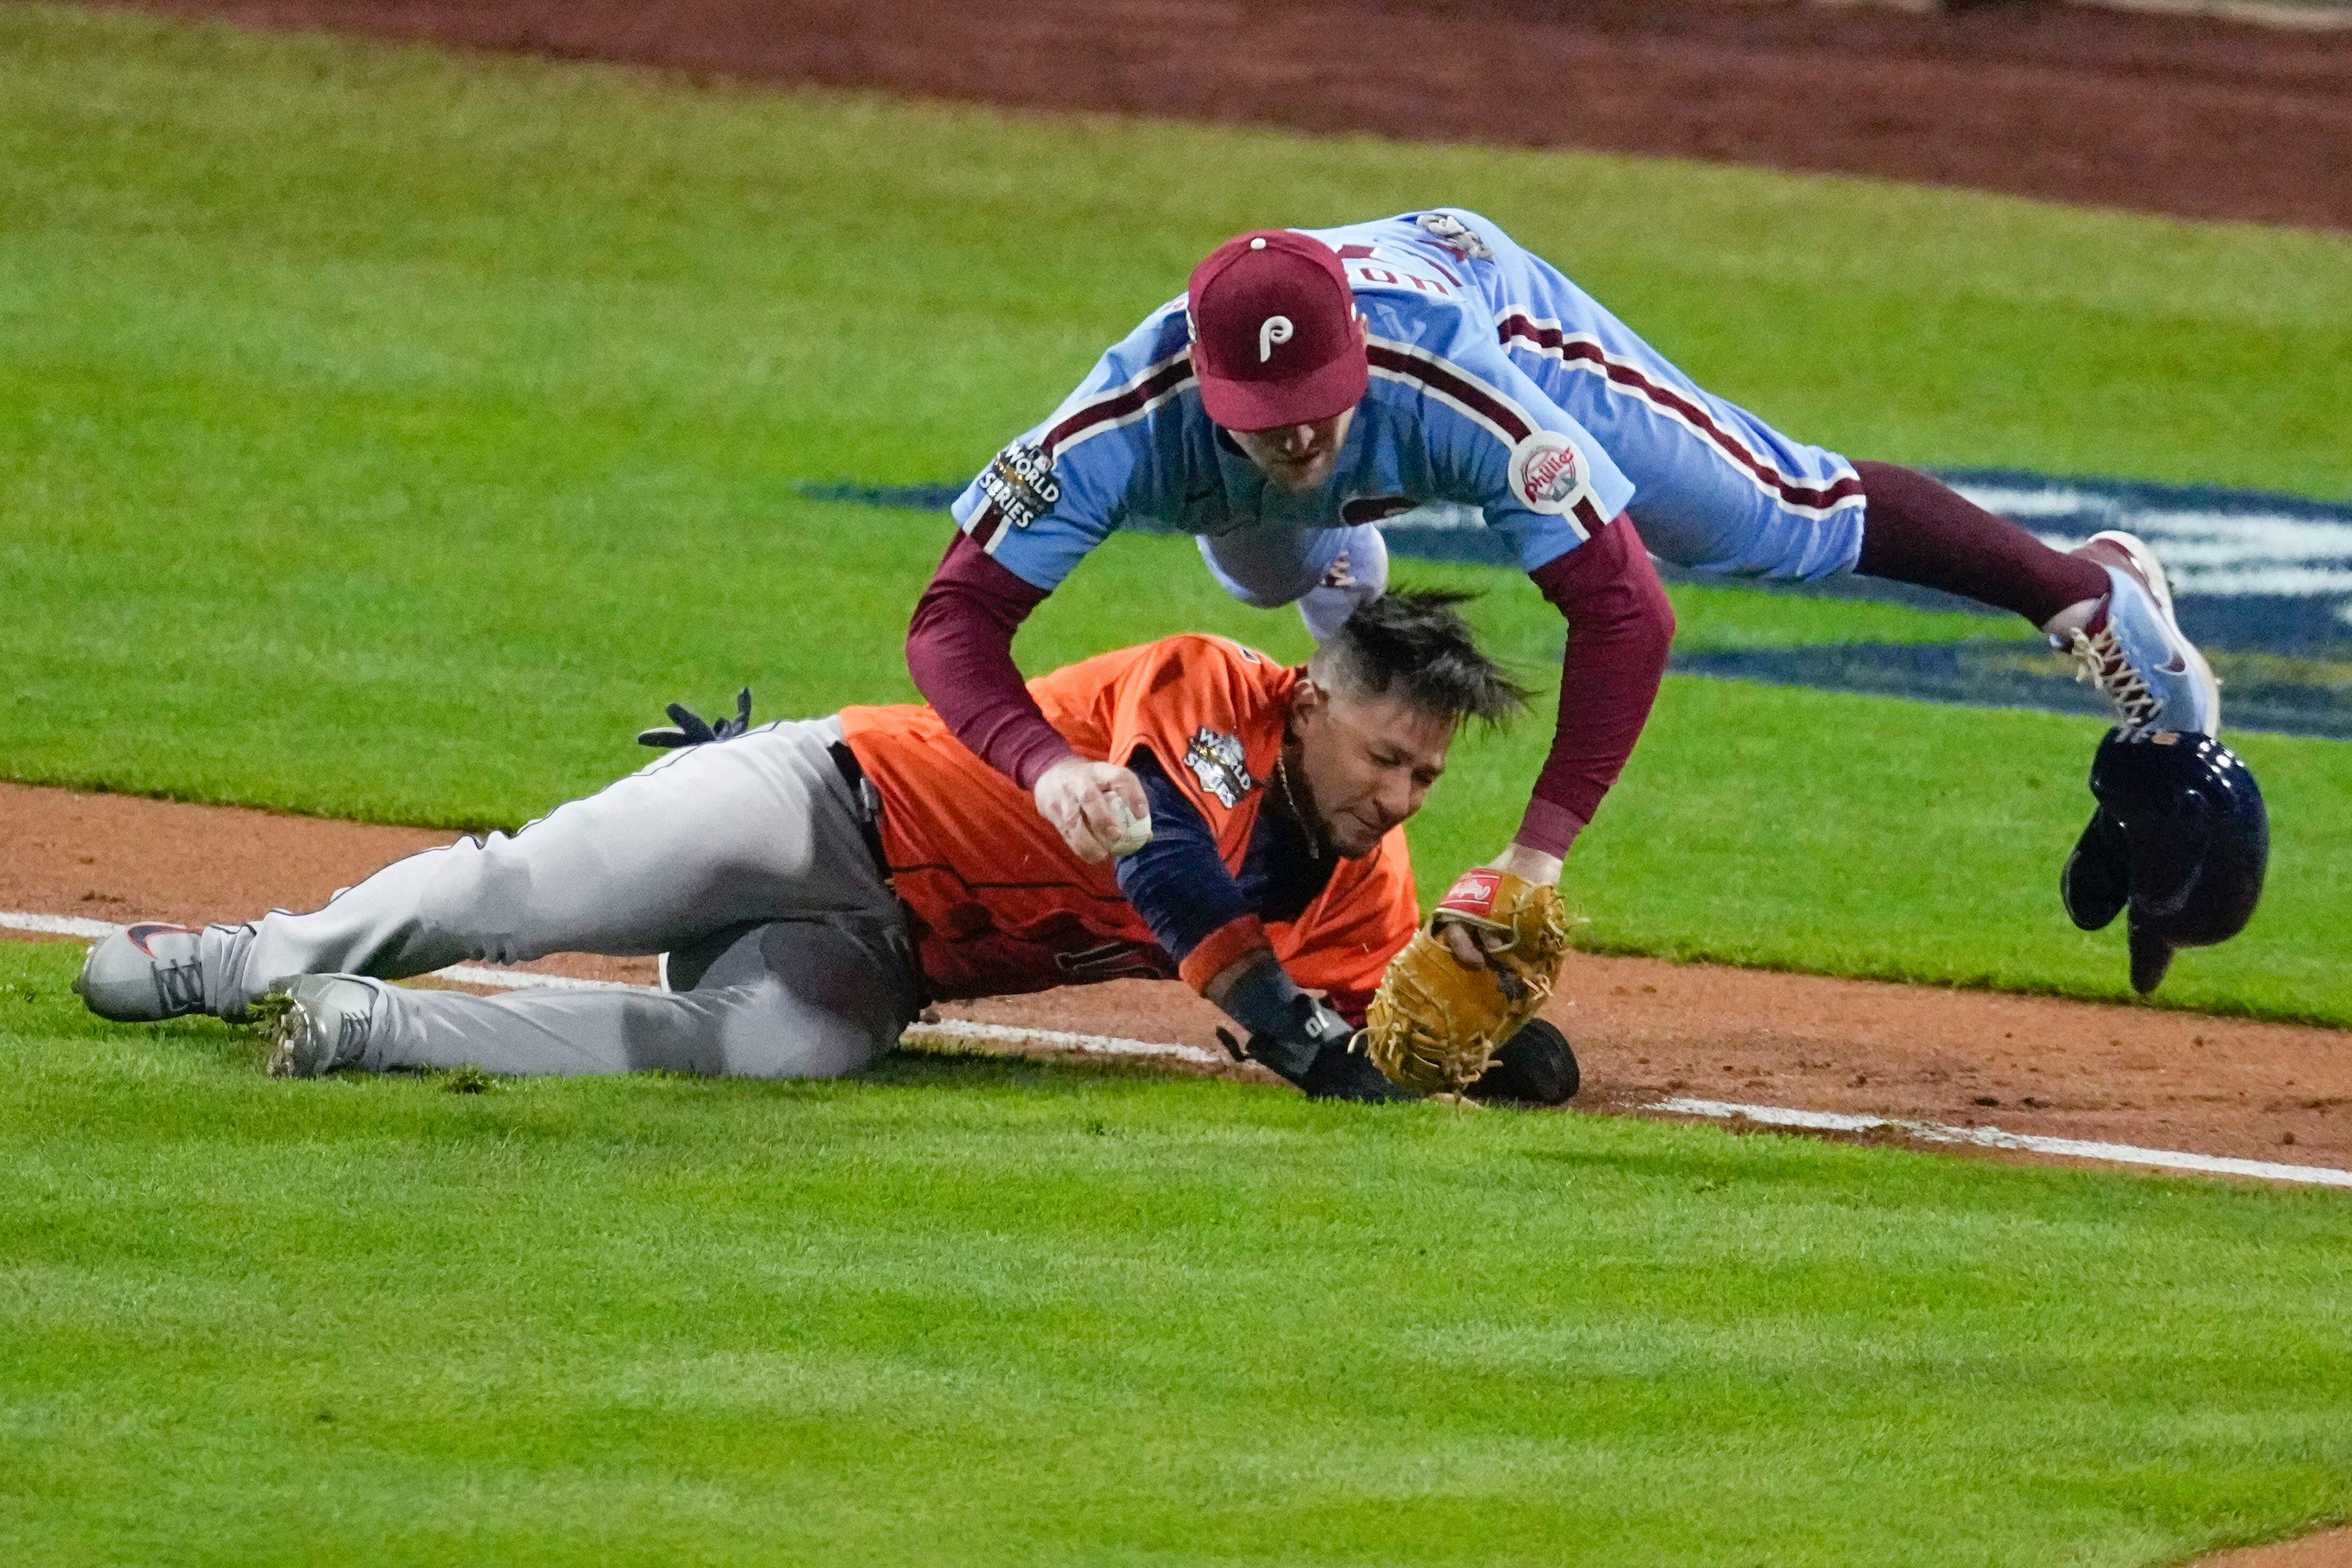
x,y
1134,831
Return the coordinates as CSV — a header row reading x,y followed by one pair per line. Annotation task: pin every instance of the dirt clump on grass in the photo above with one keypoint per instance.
x,y
1644,1030
2190,116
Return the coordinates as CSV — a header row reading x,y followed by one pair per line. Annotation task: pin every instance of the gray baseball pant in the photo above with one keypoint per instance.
x,y
1272,565
745,861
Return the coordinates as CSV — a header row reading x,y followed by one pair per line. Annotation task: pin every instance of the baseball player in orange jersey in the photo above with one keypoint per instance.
x,y
811,883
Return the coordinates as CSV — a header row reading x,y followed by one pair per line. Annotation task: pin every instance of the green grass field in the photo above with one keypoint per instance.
x,y
388,435
970,1311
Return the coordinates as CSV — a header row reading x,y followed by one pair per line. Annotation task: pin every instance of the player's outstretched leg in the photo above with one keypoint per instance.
x,y
713,836
1717,489
2106,602
784,999
1326,573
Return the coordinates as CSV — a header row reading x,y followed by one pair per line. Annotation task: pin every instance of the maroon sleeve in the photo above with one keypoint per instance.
x,y
959,650
1618,627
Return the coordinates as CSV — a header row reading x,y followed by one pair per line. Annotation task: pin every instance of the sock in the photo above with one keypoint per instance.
x,y
1923,532
2081,616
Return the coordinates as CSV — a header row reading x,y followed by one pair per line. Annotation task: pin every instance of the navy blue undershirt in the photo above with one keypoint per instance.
x,y
1179,883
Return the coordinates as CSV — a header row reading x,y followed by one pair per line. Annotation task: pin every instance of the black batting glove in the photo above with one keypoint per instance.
x,y
1316,1050
693,730
1344,1073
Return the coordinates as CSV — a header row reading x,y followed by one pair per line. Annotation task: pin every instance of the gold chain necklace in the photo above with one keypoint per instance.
x,y
1298,815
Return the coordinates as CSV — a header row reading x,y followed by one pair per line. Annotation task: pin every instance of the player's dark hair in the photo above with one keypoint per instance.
x,y
1412,641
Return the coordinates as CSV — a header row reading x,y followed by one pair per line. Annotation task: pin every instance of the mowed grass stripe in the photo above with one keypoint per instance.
x,y
389,434
969,1310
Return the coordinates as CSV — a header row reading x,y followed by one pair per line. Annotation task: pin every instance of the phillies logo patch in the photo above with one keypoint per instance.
x,y
1546,474
1221,765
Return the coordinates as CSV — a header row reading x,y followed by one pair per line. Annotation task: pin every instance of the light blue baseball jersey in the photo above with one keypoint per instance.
x,y
1495,383
1448,418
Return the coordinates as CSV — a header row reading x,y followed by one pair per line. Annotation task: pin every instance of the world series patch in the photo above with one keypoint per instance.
x,y
1021,482
1221,765
1456,236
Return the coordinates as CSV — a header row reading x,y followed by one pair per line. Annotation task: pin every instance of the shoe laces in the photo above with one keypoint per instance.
x,y
352,1037
2101,662
181,986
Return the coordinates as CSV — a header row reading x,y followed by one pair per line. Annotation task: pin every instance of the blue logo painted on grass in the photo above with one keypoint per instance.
x,y
2287,694
2250,570
2263,583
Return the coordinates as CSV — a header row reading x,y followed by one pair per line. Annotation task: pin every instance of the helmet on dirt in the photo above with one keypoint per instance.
x,y
2180,838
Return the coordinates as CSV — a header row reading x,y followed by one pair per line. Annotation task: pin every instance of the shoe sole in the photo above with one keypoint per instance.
x,y
286,1031
2151,571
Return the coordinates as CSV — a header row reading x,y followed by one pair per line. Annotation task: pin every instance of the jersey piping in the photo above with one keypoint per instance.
x,y
1124,404
1514,327
1493,411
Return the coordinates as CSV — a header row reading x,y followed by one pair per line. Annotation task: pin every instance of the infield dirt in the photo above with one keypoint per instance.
x,y
1643,1030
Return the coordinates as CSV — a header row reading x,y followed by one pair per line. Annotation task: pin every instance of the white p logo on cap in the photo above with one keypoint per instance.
x,y
1272,330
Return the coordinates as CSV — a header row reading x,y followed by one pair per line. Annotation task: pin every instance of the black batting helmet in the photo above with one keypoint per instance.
x,y
2180,838
1534,1067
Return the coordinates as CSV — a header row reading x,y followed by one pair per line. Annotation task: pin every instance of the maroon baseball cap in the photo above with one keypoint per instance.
x,y
1273,333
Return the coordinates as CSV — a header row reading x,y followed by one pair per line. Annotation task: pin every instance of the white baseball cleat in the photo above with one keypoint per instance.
x,y
2131,648
143,974
321,1022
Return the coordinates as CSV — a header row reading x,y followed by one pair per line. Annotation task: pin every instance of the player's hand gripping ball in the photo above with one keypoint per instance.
x,y
1099,807
1435,1022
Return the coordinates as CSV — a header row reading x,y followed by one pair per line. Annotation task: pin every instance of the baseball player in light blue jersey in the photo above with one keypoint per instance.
x,y
1474,343
1310,383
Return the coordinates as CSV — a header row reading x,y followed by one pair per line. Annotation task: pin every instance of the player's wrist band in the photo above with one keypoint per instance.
x,y
1288,1028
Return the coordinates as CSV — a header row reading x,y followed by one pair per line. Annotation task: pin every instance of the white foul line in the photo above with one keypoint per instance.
x,y
528,979
944,1028
1994,1138
57,924
1092,1045
1108,1045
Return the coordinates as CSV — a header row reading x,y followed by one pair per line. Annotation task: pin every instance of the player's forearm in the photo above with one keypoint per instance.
x,y
1620,626
959,652
1182,889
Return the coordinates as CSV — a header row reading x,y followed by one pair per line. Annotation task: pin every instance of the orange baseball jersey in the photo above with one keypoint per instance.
x,y
1001,906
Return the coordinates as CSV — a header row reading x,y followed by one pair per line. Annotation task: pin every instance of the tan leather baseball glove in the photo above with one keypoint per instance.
x,y
1435,1023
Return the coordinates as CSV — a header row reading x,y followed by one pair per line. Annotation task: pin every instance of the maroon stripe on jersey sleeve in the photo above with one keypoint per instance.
x,y
1441,378
1634,377
1119,404
986,524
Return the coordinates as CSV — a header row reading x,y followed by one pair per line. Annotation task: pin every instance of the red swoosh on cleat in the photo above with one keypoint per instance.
x,y
139,934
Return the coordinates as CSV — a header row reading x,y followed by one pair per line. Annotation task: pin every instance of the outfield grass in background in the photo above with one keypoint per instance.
x,y
967,1310
386,434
